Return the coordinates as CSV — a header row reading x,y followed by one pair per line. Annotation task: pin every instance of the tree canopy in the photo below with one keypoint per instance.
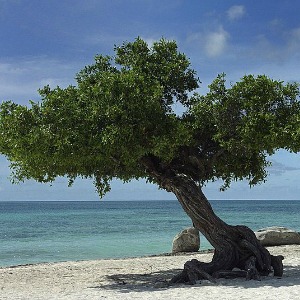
x,y
121,113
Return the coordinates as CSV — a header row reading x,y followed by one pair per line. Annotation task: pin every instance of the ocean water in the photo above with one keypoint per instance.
x,y
33,232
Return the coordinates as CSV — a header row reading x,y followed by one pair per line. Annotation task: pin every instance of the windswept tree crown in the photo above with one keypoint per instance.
x,y
119,120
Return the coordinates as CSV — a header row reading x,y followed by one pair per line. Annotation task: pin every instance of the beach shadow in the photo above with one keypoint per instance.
x,y
138,282
154,281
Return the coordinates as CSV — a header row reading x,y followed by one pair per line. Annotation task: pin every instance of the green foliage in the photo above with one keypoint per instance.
x,y
249,121
121,111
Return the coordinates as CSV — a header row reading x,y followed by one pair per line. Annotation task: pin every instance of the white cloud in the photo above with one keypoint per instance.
x,y
216,42
235,12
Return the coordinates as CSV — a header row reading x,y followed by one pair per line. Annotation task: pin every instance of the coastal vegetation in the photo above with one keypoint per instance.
x,y
119,122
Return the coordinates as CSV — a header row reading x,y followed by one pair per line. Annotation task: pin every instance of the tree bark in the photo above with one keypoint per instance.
x,y
235,246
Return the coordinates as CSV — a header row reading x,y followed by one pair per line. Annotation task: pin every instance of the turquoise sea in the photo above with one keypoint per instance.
x,y
33,232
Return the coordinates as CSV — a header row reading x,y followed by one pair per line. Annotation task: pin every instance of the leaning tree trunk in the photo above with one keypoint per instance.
x,y
235,246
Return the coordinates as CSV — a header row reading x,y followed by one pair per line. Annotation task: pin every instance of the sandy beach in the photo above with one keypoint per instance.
x,y
142,278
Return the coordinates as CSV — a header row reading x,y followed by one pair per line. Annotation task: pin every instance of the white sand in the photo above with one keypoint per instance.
x,y
142,278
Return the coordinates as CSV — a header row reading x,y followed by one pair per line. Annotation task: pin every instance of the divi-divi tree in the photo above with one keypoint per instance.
x,y
119,121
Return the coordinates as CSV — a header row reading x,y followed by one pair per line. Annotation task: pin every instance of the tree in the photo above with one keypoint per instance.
x,y
119,122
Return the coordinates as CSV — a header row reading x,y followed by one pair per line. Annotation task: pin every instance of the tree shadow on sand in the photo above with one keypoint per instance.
x,y
137,282
160,280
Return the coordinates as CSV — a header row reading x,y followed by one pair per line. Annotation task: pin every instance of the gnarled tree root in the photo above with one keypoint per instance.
x,y
195,270
276,262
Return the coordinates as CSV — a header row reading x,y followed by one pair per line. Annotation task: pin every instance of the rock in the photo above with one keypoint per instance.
x,y
187,240
276,236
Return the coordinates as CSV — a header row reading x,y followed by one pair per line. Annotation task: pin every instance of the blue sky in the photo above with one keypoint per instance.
x,y
47,42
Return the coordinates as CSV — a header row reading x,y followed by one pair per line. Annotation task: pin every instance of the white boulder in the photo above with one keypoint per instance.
x,y
187,240
276,236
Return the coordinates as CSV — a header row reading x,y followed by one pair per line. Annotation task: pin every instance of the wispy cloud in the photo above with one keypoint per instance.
x,y
236,12
216,42
211,43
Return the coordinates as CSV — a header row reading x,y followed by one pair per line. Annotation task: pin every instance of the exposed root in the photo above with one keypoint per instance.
x,y
276,262
251,271
192,272
250,261
195,271
230,274
246,244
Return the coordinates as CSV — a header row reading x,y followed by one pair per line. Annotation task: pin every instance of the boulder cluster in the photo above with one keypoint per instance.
x,y
188,240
